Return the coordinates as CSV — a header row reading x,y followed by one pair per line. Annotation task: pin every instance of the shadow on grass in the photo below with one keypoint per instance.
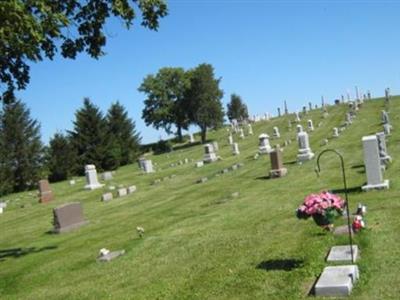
x,y
263,178
280,264
355,189
18,252
357,166
185,146
293,162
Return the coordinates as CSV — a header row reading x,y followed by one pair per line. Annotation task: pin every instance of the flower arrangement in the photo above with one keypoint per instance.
x,y
358,223
322,207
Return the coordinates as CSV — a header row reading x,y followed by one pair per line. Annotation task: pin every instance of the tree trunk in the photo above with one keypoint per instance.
x,y
203,134
179,133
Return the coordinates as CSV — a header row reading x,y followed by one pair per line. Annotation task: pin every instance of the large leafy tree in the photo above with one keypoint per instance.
x,y
61,157
31,30
122,130
165,103
237,109
90,139
204,99
21,151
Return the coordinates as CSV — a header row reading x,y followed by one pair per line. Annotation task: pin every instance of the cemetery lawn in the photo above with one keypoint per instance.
x,y
201,242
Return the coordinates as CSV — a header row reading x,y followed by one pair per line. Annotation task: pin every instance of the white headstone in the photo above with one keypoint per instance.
x,y
122,192
385,117
131,189
209,154
199,164
191,137
310,125
216,147
386,129
304,152
235,149
250,129
241,133
299,128
230,139
349,119
264,146
147,166
373,164
276,132
297,117
106,197
91,178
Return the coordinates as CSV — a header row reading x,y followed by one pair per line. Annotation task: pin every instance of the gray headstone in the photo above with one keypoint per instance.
x,y
337,281
107,197
67,217
342,254
91,178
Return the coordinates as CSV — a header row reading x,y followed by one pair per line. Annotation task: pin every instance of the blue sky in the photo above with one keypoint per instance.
x,y
265,51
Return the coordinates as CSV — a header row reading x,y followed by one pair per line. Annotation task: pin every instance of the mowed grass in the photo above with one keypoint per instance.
x,y
200,241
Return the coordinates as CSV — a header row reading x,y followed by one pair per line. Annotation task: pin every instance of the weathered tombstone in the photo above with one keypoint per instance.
x,y
299,128
385,117
148,166
131,189
337,101
106,176
141,161
310,125
387,94
230,139
191,138
297,117
241,133
122,192
387,129
250,128
343,254
304,152
199,164
91,178
309,106
72,182
337,281
276,133
277,169
286,109
67,217
209,154
235,149
279,112
264,146
107,197
216,147
383,154
349,119
373,164
335,132
45,193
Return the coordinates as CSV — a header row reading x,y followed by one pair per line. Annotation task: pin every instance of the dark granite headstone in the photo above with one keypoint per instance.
x,y
67,217
45,193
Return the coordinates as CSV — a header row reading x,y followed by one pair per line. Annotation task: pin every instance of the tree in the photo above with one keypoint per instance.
x,y
122,129
237,109
165,103
204,99
33,29
21,156
61,158
90,139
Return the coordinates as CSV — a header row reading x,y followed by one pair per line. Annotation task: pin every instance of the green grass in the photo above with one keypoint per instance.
x,y
200,242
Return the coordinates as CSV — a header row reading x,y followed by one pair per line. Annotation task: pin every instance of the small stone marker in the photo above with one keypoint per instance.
x,y
277,169
107,197
342,230
264,146
230,139
276,133
373,165
45,193
202,180
342,254
297,117
106,176
72,182
131,189
335,132
337,281
387,129
235,149
191,138
199,164
67,217
209,154
91,178
106,257
250,129
122,192
215,146
304,152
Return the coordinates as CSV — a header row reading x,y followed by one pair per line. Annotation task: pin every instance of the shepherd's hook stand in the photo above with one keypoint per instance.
x,y
318,170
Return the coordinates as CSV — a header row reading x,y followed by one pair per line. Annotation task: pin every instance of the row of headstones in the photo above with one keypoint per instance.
x,y
223,171
121,192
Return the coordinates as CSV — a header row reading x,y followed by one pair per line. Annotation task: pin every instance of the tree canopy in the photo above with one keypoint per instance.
x,y
237,109
31,30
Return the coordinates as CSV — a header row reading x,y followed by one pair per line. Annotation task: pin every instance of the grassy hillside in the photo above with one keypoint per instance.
x,y
200,241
